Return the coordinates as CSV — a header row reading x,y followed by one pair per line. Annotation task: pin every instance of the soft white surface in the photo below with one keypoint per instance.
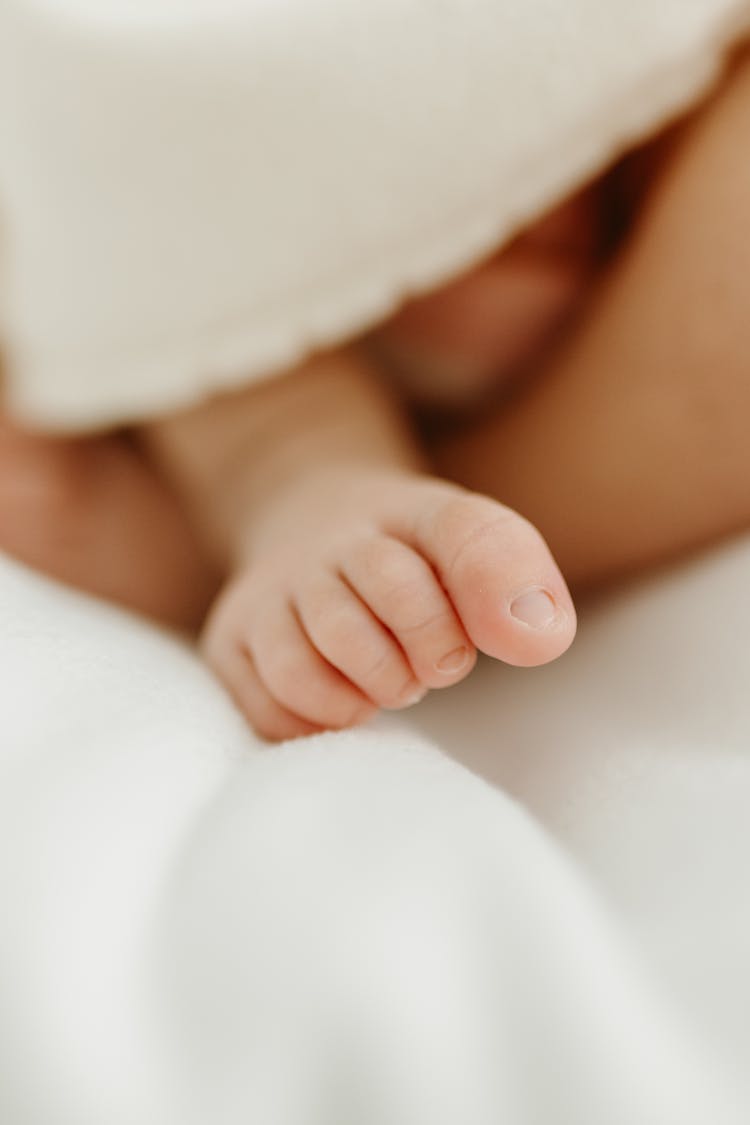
x,y
196,192
354,928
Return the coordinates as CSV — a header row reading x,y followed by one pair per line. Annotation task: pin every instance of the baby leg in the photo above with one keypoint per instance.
x,y
93,513
631,446
451,347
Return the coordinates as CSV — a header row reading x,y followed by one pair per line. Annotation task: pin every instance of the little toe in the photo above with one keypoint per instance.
x,y
499,574
234,666
403,592
349,636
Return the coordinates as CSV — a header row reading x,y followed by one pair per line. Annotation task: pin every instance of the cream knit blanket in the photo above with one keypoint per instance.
x,y
195,193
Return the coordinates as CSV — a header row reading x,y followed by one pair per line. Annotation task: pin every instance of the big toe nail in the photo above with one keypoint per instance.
x,y
535,608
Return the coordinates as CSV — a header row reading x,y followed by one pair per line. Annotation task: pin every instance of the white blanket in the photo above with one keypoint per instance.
x,y
354,928
195,192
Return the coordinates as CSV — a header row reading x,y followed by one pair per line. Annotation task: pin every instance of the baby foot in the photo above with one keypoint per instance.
x,y
367,595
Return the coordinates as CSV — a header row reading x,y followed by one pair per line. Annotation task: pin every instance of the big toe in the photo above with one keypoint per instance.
x,y
500,575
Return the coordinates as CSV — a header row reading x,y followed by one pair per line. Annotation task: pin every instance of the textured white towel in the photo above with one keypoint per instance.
x,y
193,193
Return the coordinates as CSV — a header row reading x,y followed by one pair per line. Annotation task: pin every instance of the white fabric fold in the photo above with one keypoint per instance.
x,y
354,927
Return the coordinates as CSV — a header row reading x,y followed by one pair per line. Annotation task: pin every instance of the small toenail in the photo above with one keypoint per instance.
x,y
455,660
535,608
412,694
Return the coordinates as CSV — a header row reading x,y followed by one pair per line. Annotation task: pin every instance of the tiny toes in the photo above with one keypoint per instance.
x,y
397,610
403,592
236,669
298,677
349,636
256,644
